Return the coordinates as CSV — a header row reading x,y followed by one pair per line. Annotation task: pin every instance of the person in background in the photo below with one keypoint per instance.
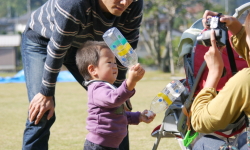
x,y
211,111
107,120
52,36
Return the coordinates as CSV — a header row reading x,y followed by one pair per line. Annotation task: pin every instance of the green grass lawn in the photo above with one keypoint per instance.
x,y
68,132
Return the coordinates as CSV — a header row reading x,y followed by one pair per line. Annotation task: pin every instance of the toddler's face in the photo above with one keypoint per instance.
x,y
107,68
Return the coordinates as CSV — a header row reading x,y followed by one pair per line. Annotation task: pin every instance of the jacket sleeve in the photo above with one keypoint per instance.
x,y
133,117
104,96
67,16
240,45
200,118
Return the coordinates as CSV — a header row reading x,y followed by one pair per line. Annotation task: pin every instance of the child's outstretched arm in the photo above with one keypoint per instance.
x,y
146,119
135,74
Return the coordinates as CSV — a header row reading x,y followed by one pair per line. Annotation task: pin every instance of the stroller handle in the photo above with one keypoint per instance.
x,y
239,11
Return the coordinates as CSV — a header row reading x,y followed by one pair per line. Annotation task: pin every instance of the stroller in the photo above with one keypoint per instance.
x,y
176,122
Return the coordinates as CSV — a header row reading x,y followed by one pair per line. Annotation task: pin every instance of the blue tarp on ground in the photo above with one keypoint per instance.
x,y
64,76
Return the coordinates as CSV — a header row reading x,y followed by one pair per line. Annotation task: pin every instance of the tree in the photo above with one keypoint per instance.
x,y
161,18
15,8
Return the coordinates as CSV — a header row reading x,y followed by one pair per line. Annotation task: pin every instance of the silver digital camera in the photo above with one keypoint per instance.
x,y
220,32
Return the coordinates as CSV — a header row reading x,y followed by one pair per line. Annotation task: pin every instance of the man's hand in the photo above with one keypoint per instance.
x,y
39,105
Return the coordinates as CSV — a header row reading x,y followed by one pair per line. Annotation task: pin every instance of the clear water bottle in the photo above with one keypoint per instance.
x,y
120,47
166,97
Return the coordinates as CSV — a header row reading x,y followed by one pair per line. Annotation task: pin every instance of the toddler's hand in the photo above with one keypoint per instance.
x,y
136,73
144,118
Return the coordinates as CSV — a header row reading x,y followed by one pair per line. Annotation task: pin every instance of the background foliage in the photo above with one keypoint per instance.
x,y
161,19
163,23
15,8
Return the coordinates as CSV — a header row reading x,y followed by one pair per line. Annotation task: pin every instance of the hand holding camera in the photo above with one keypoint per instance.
x,y
224,21
220,30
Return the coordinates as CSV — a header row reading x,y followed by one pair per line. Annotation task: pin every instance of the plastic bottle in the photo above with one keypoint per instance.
x,y
120,47
166,97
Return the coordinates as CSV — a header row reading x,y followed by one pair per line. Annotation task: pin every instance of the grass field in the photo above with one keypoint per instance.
x,y
68,132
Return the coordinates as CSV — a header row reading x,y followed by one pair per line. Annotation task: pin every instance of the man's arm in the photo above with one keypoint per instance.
x,y
65,27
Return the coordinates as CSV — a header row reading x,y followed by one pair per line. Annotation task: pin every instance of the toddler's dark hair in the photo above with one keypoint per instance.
x,y
87,54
